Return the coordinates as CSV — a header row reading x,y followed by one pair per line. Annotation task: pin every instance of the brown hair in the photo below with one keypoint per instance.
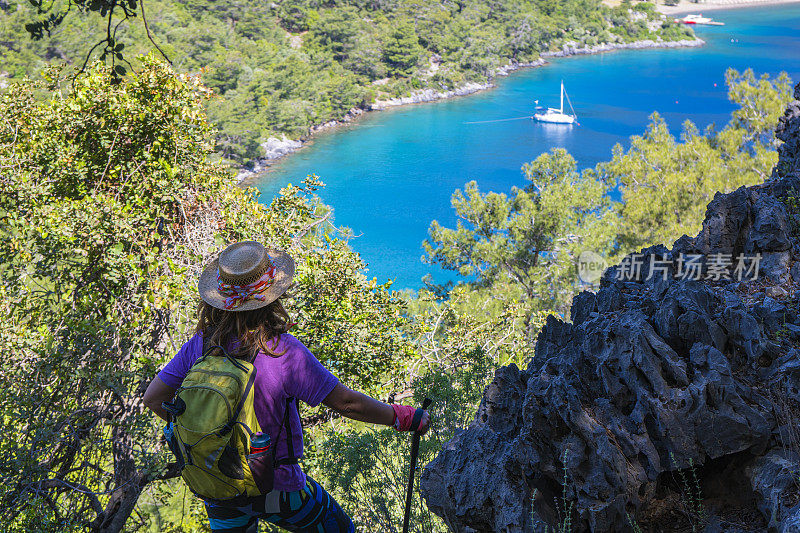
x,y
257,329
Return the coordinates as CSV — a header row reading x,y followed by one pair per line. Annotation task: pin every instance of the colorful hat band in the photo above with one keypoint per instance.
x,y
236,295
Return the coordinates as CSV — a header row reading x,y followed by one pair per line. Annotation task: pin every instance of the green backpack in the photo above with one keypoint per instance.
x,y
212,424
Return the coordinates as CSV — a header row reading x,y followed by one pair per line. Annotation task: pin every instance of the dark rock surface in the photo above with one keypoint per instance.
x,y
789,132
654,378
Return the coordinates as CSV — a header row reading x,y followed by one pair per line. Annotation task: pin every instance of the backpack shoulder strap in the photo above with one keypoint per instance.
x,y
291,460
207,346
235,416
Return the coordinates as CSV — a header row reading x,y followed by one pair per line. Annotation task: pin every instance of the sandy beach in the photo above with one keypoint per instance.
x,y
712,5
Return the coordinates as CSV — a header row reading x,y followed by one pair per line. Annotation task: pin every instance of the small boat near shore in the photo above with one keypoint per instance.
x,y
556,116
698,19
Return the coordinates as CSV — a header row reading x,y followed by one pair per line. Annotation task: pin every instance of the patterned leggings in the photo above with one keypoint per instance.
x,y
310,509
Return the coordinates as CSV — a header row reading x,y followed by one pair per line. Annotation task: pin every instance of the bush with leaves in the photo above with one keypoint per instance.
x,y
525,244
666,183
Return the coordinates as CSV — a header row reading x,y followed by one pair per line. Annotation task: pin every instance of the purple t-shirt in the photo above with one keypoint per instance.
x,y
295,374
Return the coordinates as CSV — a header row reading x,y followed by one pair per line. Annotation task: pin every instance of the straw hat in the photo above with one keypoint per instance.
x,y
246,276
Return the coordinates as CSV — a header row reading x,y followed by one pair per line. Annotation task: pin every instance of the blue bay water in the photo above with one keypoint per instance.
x,y
393,172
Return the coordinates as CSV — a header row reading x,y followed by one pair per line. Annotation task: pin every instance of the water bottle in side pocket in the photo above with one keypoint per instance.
x,y
260,461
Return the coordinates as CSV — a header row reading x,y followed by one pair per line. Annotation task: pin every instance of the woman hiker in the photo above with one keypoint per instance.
x,y
240,309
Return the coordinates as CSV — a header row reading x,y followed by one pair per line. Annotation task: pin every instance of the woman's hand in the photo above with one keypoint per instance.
x,y
410,419
425,423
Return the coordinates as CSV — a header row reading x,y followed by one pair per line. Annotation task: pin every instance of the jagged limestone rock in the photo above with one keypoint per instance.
x,y
789,132
651,376
774,479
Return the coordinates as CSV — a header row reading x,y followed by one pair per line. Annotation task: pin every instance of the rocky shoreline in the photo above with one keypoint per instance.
x,y
275,148
569,49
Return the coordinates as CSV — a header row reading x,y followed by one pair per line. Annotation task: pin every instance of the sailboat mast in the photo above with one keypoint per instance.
x,y
562,96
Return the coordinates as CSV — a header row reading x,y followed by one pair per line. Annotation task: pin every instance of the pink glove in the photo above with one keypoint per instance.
x,y
406,418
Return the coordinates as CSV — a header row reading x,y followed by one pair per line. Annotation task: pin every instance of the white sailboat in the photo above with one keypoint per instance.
x,y
557,116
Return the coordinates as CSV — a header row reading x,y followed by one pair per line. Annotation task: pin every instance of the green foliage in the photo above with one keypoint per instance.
x,y
691,495
366,469
666,184
169,507
351,324
761,101
447,330
402,50
792,204
459,342
110,205
283,67
48,18
526,243
635,527
566,508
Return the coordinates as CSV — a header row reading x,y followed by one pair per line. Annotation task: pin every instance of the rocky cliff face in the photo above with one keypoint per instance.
x,y
653,383
789,132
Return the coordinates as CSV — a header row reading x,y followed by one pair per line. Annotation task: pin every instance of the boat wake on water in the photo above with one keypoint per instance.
x,y
498,120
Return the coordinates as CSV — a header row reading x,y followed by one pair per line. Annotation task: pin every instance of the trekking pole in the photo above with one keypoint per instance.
x,y
414,452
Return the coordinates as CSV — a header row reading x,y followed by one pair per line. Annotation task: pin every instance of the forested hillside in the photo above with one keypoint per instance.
x,y
282,67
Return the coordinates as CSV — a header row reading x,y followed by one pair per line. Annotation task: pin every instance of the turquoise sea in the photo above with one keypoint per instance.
x,y
388,176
